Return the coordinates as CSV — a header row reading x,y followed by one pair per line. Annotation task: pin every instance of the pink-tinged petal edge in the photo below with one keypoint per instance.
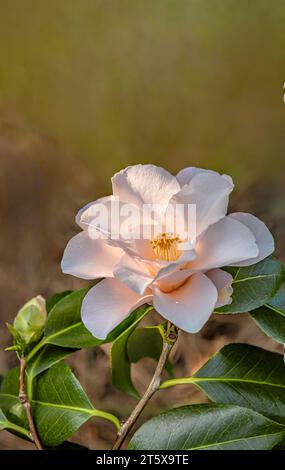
x,y
190,306
264,238
89,259
209,192
107,304
223,244
223,282
85,215
134,273
185,175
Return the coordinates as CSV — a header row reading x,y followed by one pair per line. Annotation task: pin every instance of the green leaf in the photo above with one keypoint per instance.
x,y
9,401
51,301
6,424
120,363
243,375
64,326
60,405
254,285
147,342
280,446
208,427
46,358
3,421
271,316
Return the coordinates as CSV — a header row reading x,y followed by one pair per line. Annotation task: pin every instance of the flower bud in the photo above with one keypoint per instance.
x,y
30,320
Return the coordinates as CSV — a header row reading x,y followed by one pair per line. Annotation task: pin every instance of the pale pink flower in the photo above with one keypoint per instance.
x,y
184,286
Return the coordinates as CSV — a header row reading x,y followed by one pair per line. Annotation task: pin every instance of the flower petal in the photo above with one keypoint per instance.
x,y
173,280
185,176
134,273
209,192
263,237
189,306
145,184
110,218
224,243
89,259
86,215
223,282
107,304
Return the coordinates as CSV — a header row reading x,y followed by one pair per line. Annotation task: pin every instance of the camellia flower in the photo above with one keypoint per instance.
x,y
181,278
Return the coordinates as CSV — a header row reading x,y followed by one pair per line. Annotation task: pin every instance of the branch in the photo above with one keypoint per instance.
x,y
26,404
170,338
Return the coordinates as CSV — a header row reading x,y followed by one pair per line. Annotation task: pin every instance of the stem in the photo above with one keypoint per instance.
x,y
26,404
169,339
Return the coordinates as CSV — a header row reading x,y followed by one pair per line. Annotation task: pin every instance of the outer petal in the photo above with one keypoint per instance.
x,y
189,306
224,243
185,176
145,184
86,214
107,304
89,259
134,273
223,282
264,239
209,192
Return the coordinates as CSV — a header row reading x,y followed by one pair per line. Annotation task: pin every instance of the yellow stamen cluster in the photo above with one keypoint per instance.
x,y
165,247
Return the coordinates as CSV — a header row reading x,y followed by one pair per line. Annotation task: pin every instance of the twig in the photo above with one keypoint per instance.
x,y
26,405
169,340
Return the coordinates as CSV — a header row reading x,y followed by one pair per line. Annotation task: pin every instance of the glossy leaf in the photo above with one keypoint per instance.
x,y
243,375
9,402
64,326
6,424
55,298
121,366
280,445
47,357
271,316
147,342
208,427
254,285
60,405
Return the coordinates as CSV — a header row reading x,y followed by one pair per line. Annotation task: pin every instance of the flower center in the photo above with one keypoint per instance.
x,y
165,247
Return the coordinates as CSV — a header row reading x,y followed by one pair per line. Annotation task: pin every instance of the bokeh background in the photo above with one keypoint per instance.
x,y
88,87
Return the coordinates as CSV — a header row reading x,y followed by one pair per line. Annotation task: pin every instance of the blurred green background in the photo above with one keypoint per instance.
x,y
88,87
175,82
